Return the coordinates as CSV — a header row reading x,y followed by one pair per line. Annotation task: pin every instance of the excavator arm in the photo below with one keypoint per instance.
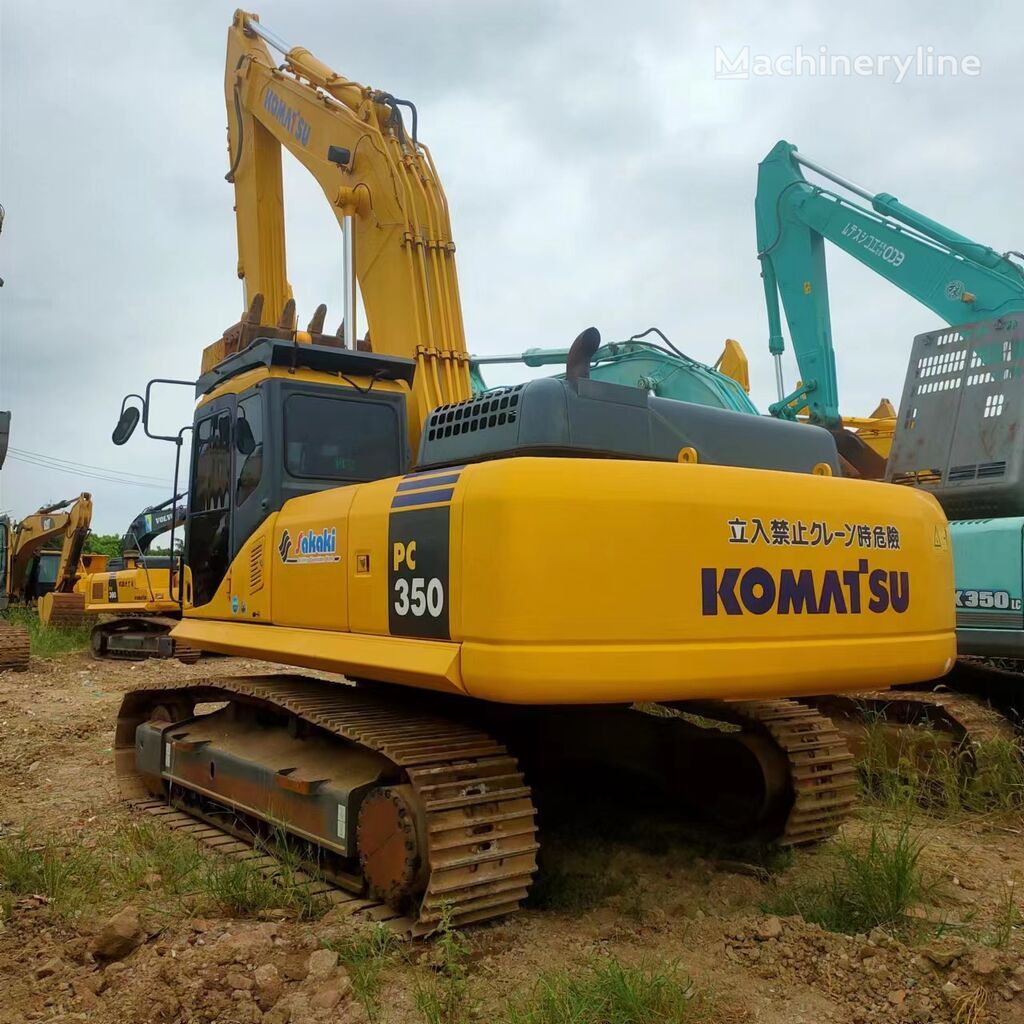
x,y
958,279
380,181
72,519
151,522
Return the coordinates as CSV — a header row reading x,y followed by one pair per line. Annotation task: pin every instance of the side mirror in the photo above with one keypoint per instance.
x,y
126,425
244,440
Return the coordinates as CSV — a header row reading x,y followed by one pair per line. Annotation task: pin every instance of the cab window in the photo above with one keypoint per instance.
x,y
340,439
249,460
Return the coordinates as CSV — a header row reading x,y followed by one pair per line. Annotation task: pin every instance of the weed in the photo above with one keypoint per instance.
x,y
442,999
48,641
866,887
1007,918
917,769
365,956
237,887
610,992
141,851
67,877
970,1007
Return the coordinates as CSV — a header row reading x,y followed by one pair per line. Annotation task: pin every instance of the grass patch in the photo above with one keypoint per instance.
x,y
48,642
147,864
1007,918
610,992
66,877
441,1000
866,887
917,770
365,955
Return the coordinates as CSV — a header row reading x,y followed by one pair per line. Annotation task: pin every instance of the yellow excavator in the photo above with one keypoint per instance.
x,y
138,597
45,576
565,585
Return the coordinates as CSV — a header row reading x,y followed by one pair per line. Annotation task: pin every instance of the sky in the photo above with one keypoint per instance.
x,y
597,171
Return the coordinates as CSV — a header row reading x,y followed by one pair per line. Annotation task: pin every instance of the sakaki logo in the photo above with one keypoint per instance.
x,y
310,546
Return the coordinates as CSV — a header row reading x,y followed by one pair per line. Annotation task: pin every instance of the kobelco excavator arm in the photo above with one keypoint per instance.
x,y
383,188
958,279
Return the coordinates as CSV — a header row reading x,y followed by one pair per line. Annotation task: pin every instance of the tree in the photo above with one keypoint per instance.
x,y
108,544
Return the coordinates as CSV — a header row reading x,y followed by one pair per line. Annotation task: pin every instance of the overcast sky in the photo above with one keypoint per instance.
x,y
596,169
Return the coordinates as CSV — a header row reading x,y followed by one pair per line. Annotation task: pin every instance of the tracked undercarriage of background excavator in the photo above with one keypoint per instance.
x,y
360,512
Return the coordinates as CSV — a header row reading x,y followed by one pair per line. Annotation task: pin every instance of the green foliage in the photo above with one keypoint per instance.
x,y
48,641
1007,918
108,544
918,769
145,862
610,992
442,999
866,887
65,876
365,955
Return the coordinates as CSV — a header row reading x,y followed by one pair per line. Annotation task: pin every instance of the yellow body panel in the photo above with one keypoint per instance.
x,y
135,590
587,581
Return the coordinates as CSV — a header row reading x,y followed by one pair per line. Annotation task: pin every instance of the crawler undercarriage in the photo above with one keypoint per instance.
x,y
422,805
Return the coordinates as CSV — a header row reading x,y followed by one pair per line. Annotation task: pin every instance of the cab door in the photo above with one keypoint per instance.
x,y
208,533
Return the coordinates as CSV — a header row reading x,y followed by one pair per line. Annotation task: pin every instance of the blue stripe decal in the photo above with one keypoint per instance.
x,y
434,481
422,498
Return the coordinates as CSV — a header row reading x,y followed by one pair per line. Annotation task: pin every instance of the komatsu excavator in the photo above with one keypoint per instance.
x,y
139,595
354,509
957,431
38,575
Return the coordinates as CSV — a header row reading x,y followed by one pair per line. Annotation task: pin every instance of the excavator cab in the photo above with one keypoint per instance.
x,y
282,435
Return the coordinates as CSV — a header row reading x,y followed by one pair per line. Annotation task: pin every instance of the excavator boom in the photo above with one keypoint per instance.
x,y
960,280
382,187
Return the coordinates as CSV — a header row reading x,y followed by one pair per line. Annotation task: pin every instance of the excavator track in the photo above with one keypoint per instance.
x,y
14,648
146,627
966,720
461,795
821,774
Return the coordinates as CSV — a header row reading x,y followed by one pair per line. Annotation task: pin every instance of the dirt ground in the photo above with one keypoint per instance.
x,y
698,915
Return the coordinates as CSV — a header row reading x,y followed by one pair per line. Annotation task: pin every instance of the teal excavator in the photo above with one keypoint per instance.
x,y
660,369
963,399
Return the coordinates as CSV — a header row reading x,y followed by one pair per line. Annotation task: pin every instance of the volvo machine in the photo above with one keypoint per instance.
x,y
138,597
527,589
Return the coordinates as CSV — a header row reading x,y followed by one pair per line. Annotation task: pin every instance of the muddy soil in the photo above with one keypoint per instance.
x,y
682,907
